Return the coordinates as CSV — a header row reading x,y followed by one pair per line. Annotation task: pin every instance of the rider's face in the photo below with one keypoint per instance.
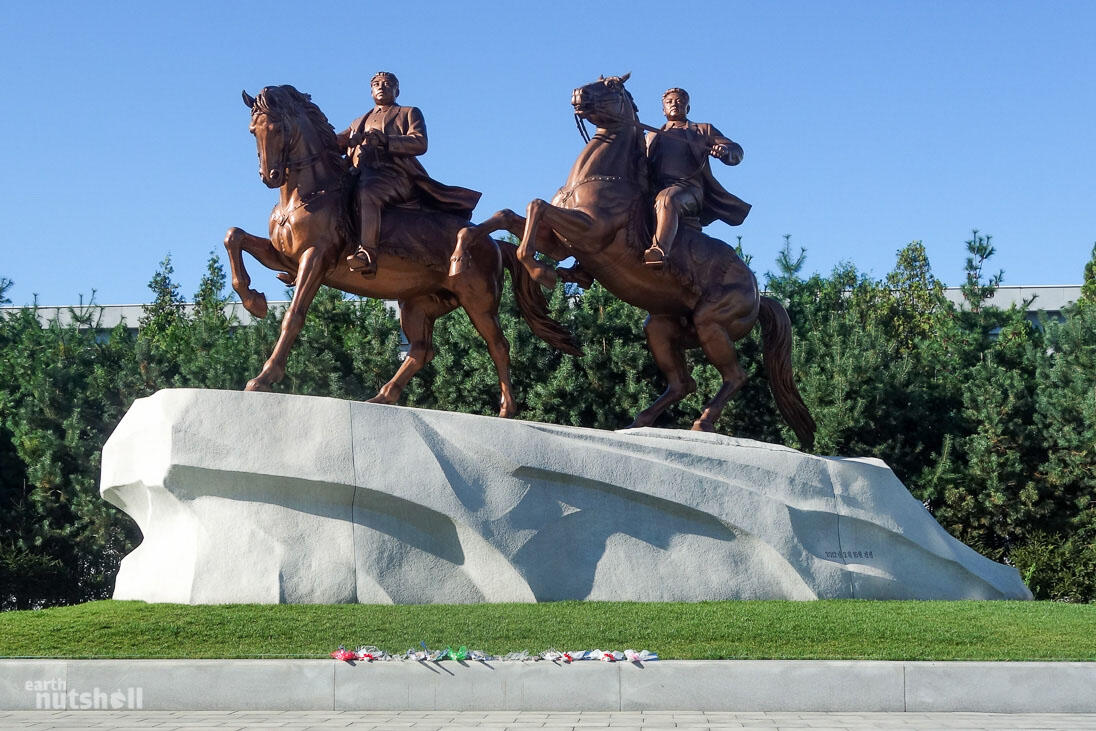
x,y
674,106
384,90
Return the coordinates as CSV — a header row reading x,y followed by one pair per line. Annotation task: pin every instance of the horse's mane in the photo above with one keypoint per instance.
x,y
640,163
286,100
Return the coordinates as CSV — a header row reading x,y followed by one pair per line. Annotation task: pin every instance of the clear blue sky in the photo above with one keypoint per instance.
x,y
865,124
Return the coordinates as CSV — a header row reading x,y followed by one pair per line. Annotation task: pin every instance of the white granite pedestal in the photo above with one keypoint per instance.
x,y
258,497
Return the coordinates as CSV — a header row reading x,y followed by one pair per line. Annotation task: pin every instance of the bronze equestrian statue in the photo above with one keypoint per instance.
x,y
704,294
313,226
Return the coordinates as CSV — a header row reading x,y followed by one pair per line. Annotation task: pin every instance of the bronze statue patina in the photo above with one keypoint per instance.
x,y
313,225
685,188
704,295
382,146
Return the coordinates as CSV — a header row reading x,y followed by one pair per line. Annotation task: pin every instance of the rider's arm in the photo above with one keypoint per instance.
x,y
732,151
345,138
413,140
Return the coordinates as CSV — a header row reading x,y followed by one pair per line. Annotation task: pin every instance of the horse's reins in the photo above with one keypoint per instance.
x,y
298,164
315,195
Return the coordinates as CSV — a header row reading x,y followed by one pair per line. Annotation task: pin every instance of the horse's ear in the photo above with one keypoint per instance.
x,y
625,77
248,100
600,77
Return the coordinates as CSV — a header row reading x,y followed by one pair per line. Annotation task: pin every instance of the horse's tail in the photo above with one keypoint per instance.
x,y
776,344
533,305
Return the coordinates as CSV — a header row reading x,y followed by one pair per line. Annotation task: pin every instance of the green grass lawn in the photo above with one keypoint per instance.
x,y
834,629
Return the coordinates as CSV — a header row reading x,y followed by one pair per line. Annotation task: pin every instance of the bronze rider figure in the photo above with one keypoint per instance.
x,y
383,145
686,191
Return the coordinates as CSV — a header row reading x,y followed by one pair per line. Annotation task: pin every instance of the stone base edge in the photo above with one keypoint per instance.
x,y
754,685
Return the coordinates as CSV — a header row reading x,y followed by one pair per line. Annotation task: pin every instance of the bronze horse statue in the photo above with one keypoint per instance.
x,y
704,296
310,228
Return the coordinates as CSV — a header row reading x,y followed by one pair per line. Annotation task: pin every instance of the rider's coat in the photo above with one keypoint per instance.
x,y
679,154
406,133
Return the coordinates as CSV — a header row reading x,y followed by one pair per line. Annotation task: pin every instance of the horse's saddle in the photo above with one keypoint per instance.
x,y
419,234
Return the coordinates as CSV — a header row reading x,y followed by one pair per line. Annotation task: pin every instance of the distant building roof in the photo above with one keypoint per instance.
x,y
1050,298
109,316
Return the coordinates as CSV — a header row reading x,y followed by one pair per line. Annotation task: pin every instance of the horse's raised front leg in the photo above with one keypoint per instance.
x,y
236,242
576,274
547,242
665,336
504,220
571,224
311,272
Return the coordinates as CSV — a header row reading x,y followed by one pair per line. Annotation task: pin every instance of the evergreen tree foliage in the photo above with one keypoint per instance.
x,y
162,322
615,377
1088,287
1059,561
214,347
991,498
988,418
63,388
976,289
348,348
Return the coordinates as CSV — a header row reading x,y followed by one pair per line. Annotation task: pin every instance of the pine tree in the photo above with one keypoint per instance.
x,y
1088,287
215,354
613,380
977,290
161,339
64,389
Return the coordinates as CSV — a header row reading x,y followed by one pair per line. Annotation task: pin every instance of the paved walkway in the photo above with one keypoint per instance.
x,y
437,720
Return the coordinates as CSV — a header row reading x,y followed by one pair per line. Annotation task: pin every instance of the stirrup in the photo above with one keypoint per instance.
x,y
654,257
363,261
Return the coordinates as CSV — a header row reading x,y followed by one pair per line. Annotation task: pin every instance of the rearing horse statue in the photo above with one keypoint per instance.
x,y
704,296
309,231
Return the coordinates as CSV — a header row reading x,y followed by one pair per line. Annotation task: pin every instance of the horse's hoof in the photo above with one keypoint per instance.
x,y
255,384
580,278
544,276
255,303
703,425
286,278
508,412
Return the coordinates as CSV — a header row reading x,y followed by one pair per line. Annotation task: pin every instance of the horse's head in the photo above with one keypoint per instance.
x,y
273,128
281,119
605,102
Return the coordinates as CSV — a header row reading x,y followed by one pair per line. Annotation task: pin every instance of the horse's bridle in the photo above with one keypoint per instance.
x,y
290,165
598,107
287,144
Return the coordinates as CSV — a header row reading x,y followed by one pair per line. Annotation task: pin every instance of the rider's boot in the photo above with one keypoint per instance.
x,y
363,261
666,220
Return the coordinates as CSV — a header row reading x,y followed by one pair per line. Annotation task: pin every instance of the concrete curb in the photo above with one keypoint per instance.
x,y
746,685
